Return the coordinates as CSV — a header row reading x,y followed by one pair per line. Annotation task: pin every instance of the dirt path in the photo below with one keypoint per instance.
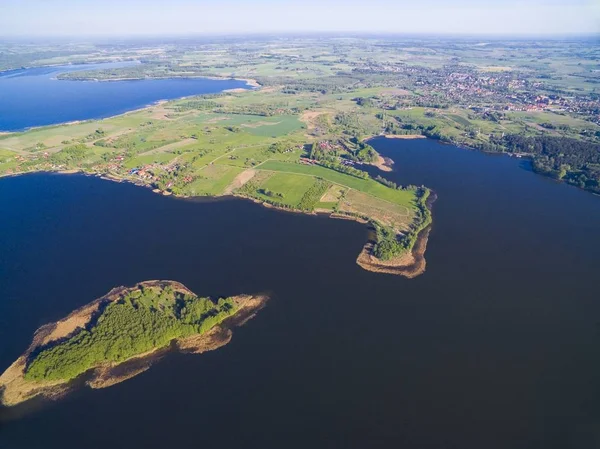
x,y
169,147
310,117
239,181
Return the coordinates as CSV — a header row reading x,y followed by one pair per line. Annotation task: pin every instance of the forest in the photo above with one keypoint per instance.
x,y
144,320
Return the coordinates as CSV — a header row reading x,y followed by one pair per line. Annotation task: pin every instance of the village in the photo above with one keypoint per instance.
x,y
504,90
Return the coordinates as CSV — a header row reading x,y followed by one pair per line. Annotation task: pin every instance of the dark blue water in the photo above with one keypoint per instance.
x,y
34,97
496,346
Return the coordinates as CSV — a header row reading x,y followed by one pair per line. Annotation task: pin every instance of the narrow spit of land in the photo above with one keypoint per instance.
x,y
119,335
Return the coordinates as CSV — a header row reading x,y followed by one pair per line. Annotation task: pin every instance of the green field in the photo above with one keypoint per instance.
x,y
212,180
264,126
460,119
401,197
291,187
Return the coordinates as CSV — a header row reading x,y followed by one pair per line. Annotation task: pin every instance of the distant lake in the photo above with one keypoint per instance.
x,y
496,346
34,97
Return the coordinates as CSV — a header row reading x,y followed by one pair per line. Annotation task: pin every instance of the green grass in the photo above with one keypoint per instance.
x,y
212,180
328,205
246,157
6,154
292,187
158,158
277,127
401,197
51,136
460,119
554,118
256,125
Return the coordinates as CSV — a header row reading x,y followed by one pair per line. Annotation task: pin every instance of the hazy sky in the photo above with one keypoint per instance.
x,y
152,17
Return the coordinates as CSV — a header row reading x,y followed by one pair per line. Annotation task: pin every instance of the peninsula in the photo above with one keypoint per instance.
x,y
243,144
119,335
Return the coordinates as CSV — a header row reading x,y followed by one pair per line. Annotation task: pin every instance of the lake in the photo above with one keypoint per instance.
x,y
496,346
34,97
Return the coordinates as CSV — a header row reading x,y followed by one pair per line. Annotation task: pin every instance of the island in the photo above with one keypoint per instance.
x,y
119,335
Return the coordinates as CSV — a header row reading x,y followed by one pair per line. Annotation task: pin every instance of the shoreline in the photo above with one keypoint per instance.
x,y
404,136
383,163
249,81
15,389
409,265
367,261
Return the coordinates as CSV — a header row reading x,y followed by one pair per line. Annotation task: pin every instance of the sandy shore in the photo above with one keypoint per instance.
x,y
15,389
404,136
250,82
383,163
409,265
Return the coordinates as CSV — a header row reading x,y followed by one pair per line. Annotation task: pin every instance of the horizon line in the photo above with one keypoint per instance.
x,y
310,33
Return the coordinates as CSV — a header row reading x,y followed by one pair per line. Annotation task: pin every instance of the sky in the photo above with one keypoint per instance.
x,y
25,18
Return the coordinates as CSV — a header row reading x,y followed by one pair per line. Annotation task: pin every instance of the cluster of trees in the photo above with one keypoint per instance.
x,y
549,125
318,153
386,182
337,166
196,105
323,84
431,131
331,157
146,319
361,101
175,178
363,153
395,128
270,193
313,195
388,245
355,124
261,110
281,147
492,116
252,190
346,120
71,155
393,185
